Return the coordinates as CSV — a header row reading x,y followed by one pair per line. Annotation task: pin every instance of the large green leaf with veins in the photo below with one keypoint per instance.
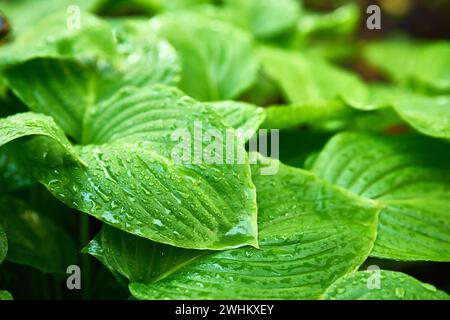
x,y
409,176
240,115
310,234
392,286
34,239
131,179
138,259
71,87
51,37
29,124
217,59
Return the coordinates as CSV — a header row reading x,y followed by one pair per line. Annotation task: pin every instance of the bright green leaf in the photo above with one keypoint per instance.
x,y
133,182
72,87
217,59
309,80
409,176
52,38
415,64
311,233
5,295
24,14
265,18
341,21
28,124
429,115
243,116
362,285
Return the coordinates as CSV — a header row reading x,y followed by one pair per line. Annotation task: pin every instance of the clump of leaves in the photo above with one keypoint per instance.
x,y
105,98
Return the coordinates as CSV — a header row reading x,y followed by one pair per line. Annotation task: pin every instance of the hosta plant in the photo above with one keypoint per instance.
x,y
127,153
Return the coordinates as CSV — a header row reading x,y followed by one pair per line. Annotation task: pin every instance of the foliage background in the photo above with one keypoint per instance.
x,y
419,19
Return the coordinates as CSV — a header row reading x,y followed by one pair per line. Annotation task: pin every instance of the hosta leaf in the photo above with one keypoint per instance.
x,y
28,124
132,180
409,176
35,240
309,80
5,295
311,233
414,64
24,14
266,18
361,285
243,116
429,115
217,59
51,37
136,258
341,21
72,87
287,116
3,244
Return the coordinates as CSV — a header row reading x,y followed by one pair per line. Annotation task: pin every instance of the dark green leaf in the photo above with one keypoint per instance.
x,y
3,244
136,258
34,239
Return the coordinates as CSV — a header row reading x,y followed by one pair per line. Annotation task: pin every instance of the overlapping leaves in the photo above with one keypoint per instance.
x,y
366,195
404,175
303,249
128,178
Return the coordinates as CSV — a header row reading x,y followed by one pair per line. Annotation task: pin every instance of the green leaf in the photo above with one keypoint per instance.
x,y
51,37
5,295
265,18
217,59
409,176
121,7
287,116
429,115
29,124
311,233
3,244
34,239
134,182
136,258
14,173
71,87
414,64
240,115
309,80
393,286
341,21
24,14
